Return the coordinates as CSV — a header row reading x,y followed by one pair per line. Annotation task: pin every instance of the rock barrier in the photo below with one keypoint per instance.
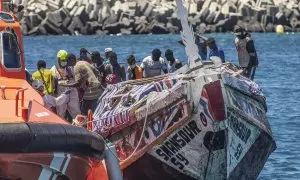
x,y
43,17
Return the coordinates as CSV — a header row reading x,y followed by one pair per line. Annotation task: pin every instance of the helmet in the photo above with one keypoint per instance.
x,y
37,84
62,55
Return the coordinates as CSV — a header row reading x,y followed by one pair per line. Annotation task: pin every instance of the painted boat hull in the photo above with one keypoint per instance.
x,y
216,128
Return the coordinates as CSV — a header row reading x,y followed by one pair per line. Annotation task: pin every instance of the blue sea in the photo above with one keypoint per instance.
x,y
278,75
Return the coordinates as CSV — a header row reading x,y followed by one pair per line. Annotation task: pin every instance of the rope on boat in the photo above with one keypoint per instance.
x,y
140,140
143,130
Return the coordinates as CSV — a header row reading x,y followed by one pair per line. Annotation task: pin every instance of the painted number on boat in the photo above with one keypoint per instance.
x,y
42,114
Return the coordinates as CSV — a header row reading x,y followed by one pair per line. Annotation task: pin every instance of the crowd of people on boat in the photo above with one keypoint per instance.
x,y
73,85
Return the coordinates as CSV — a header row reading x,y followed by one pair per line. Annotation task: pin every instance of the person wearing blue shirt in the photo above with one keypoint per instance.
x,y
214,50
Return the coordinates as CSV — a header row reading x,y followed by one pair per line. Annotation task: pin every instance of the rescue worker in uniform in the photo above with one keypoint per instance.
x,y
174,63
246,52
154,65
63,72
50,101
134,71
46,76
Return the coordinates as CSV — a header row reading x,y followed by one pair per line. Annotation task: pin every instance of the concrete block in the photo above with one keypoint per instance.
x,y
148,11
210,18
288,13
206,4
272,10
214,7
218,17
73,11
51,28
159,28
193,8
71,5
204,13
126,31
82,14
225,9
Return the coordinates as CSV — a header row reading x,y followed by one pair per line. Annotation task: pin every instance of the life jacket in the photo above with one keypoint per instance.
x,y
136,73
61,72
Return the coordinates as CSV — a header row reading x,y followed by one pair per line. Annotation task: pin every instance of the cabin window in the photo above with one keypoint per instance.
x,y
11,58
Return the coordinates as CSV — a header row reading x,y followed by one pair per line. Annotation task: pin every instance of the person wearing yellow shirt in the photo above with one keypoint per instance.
x,y
46,76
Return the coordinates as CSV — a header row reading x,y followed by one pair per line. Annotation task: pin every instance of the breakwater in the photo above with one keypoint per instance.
x,y
42,17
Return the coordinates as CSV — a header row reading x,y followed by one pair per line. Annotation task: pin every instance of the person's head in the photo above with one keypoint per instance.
x,y
131,61
41,64
239,32
62,58
96,57
113,58
107,52
156,53
211,43
38,86
71,59
169,55
83,54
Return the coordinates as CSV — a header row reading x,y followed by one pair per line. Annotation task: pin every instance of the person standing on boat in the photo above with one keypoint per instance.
x,y
115,68
63,72
200,41
154,65
174,63
107,53
50,101
98,63
214,50
86,77
246,52
84,55
134,71
46,76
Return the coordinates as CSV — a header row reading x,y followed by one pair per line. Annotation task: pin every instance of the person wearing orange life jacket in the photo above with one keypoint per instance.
x,y
44,75
134,71
64,72
50,101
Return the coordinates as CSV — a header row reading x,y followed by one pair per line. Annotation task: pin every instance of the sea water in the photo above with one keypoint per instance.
x,y
278,75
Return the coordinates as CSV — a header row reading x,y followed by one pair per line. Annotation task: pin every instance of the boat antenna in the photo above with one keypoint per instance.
x,y
188,37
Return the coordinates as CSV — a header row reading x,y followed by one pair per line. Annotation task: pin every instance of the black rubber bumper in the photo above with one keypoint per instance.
x,y
34,138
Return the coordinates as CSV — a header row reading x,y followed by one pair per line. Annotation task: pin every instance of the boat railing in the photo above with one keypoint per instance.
x,y
19,91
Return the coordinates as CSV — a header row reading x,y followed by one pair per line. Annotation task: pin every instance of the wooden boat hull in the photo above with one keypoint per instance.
x,y
215,128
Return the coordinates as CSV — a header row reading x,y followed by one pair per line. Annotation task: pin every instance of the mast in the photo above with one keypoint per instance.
x,y
188,37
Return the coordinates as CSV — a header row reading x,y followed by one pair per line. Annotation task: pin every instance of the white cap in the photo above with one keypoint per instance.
x,y
108,49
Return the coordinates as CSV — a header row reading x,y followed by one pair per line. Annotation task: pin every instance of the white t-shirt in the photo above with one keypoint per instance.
x,y
61,89
153,68
172,68
51,101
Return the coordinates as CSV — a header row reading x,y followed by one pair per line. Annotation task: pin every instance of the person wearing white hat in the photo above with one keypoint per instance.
x,y
107,53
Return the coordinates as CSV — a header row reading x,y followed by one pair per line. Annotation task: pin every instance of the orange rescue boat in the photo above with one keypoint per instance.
x,y
36,143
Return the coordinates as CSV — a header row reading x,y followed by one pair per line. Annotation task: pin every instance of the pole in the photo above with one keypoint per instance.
x,y
112,163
